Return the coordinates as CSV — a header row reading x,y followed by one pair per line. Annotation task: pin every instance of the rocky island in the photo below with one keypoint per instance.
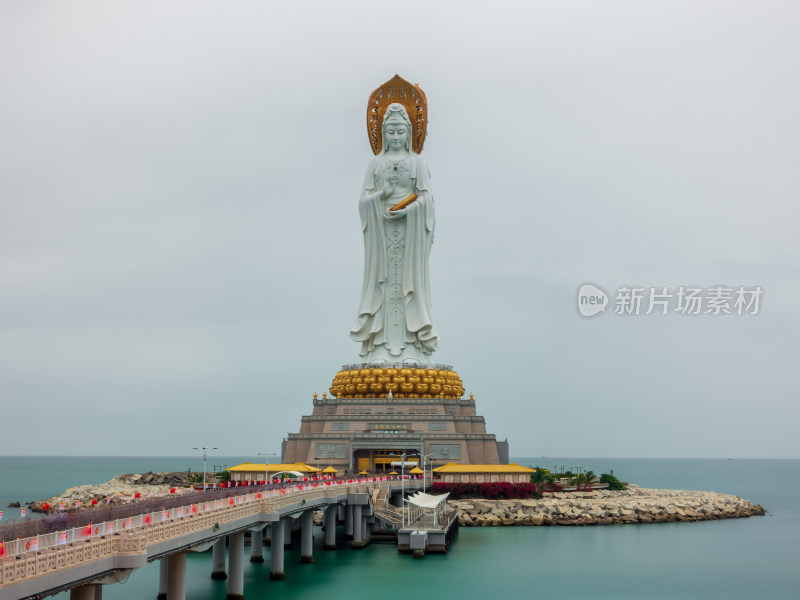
x,y
121,489
603,507
597,507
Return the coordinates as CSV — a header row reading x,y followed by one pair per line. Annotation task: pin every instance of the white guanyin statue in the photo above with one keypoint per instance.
x,y
394,323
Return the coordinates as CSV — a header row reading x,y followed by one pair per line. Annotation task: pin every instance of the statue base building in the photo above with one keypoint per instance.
x,y
375,414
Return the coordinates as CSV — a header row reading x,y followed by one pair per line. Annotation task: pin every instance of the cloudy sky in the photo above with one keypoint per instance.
x,y
181,255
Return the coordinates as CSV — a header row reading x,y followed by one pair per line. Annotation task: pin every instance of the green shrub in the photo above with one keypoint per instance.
x,y
613,482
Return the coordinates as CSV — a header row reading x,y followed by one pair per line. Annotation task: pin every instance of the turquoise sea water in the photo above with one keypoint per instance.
x,y
734,559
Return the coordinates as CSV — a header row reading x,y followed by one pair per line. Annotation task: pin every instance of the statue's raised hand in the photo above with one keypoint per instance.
x,y
388,190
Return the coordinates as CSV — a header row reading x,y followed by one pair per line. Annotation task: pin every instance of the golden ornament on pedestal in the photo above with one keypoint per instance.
x,y
402,383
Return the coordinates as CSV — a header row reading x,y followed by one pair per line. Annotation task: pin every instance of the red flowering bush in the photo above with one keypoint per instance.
x,y
491,491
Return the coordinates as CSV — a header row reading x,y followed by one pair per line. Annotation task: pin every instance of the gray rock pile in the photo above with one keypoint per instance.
x,y
602,507
127,484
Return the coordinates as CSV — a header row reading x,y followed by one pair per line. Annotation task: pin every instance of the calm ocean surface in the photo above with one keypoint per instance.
x,y
750,558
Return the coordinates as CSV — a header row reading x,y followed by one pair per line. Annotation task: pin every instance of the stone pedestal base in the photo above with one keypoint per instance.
x,y
330,547
418,554
277,576
234,597
306,559
219,575
161,597
257,559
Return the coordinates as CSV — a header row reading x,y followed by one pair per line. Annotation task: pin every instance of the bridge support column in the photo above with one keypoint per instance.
x,y
348,522
276,554
176,577
163,578
330,526
307,537
218,560
340,513
257,546
358,523
268,535
287,533
85,592
236,567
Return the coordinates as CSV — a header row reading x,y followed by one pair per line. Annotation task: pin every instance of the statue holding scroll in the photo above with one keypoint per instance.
x,y
394,322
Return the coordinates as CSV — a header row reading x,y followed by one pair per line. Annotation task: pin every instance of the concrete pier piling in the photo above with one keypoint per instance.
x,y
276,553
218,560
236,567
257,546
307,537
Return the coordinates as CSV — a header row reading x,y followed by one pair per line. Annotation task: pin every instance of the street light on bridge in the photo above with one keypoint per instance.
x,y
266,466
205,450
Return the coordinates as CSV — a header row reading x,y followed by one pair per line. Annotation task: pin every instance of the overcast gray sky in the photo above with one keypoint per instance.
x,y
180,248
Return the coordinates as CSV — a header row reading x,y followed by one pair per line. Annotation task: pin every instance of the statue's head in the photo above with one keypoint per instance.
x,y
396,128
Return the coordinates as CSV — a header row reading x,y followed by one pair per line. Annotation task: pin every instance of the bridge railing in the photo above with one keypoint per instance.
x,y
271,500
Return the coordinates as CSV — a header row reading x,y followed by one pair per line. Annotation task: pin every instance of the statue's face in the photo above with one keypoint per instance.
x,y
396,135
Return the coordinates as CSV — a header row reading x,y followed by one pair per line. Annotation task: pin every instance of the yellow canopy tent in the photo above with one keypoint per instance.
x,y
417,471
363,473
329,470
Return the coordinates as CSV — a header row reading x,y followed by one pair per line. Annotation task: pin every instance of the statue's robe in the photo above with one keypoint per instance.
x,y
420,337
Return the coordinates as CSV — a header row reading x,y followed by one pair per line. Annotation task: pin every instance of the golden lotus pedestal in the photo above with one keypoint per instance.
x,y
400,382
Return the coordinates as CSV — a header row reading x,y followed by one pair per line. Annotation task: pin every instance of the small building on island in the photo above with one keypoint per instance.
x,y
248,471
510,473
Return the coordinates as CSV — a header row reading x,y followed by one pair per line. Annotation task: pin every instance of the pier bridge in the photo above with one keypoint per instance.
x,y
84,559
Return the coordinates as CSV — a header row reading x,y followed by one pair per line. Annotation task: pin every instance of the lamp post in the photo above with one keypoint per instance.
x,y
402,485
205,450
402,491
424,457
266,466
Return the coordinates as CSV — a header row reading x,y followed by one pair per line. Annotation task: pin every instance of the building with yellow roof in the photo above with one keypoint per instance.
x,y
510,473
248,471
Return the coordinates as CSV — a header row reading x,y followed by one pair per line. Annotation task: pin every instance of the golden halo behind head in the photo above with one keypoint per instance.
x,y
411,97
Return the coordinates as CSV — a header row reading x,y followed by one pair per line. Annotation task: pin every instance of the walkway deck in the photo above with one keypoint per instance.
x,y
50,563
